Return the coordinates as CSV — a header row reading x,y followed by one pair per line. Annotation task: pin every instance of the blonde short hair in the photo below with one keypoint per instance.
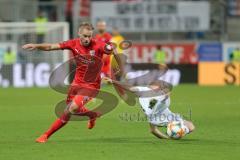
x,y
86,25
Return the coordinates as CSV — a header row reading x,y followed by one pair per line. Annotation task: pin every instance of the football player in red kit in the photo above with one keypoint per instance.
x,y
87,75
104,36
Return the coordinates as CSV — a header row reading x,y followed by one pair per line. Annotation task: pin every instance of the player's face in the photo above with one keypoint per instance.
x,y
101,27
85,36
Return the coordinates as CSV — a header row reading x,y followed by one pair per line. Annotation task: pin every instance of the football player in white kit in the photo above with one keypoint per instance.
x,y
156,108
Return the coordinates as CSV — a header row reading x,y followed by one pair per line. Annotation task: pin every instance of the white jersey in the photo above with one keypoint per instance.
x,y
157,108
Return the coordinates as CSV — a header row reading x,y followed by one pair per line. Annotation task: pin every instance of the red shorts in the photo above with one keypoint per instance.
x,y
81,94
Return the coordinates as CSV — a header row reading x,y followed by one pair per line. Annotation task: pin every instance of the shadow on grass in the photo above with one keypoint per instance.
x,y
114,140
132,140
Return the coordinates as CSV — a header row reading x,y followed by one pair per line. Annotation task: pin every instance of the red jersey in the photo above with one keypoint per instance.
x,y
88,60
105,37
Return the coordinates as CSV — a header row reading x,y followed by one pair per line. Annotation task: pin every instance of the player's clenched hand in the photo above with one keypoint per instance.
x,y
108,48
29,47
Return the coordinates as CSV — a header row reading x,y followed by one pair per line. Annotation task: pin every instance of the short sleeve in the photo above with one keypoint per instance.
x,y
66,44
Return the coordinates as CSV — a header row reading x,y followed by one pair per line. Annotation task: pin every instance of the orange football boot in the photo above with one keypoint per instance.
x,y
92,120
42,139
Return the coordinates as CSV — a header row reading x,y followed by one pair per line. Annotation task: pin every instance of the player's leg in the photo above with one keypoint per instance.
x,y
156,132
80,101
58,123
177,117
75,105
81,110
61,121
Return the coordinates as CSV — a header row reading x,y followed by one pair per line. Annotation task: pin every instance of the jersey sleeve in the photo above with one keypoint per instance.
x,y
66,44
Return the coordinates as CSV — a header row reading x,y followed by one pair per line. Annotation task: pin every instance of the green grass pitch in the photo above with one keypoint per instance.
x,y
26,113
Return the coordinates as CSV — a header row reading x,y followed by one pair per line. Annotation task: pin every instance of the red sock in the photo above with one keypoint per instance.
x,y
83,111
91,114
59,123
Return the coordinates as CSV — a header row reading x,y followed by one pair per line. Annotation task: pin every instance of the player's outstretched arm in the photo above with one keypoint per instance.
x,y
156,132
119,61
122,85
43,46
